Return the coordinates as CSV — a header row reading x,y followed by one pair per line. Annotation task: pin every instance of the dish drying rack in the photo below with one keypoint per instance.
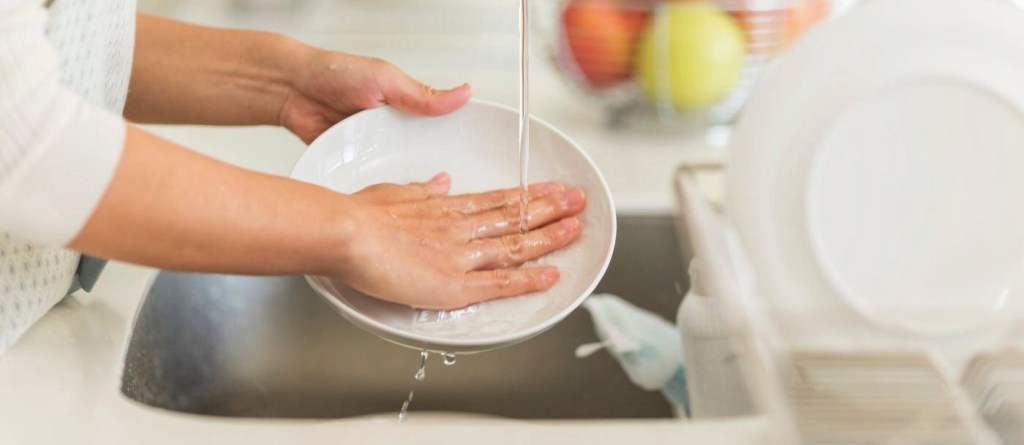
x,y
944,392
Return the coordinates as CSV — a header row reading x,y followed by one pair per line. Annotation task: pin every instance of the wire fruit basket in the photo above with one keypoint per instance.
x,y
680,63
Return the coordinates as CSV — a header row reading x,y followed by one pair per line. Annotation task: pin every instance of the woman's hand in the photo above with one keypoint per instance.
x,y
416,245
331,86
189,74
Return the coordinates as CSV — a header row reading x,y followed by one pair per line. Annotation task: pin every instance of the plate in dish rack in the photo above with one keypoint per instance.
x,y
881,164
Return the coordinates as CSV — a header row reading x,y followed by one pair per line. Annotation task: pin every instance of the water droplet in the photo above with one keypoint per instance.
x,y
449,358
422,372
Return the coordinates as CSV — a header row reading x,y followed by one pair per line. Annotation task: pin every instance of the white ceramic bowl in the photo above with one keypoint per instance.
x,y
477,146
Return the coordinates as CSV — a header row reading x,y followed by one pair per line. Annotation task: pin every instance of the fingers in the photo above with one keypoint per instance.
x,y
516,249
501,283
417,191
539,212
407,94
478,202
468,204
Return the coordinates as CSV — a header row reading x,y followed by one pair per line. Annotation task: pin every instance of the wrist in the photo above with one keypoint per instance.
x,y
273,63
340,231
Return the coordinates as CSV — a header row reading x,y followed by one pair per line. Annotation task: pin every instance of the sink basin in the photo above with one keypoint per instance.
x,y
269,347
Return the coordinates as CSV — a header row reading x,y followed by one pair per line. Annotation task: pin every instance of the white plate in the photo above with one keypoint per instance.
x,y
478,146
881,164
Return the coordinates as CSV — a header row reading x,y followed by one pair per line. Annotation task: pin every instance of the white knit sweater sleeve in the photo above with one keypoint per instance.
x,y
57,154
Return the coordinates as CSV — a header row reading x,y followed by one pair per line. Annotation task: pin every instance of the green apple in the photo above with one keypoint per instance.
x,y
692,55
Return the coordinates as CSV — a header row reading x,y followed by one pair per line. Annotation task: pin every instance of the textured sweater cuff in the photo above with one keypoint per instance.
x,y
49,199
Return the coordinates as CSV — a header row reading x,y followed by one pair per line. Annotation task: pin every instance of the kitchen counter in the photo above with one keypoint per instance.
x,y
61,382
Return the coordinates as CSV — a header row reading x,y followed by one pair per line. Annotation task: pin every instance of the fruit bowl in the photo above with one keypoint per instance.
x,y
687,63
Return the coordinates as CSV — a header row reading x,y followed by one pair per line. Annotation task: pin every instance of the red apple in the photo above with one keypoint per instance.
x,y
805,13
600,36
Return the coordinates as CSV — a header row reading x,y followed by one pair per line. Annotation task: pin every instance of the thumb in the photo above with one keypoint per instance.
x,y
409,95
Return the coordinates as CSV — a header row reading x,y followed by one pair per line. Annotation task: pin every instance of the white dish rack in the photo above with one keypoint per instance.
x,y
945,390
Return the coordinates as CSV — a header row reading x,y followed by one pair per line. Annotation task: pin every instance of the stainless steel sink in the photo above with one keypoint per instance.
x,y
269,347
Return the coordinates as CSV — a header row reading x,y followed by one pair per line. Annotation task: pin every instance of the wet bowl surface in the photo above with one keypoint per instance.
x,y
477,145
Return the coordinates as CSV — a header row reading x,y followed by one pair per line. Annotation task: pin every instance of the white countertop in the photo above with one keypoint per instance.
x,y
61,382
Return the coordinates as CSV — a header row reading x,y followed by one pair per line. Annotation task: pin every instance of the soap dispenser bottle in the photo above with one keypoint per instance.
x,y
710,330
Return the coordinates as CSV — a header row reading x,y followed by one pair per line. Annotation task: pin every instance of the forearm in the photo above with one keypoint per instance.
x,y
171,208
189,74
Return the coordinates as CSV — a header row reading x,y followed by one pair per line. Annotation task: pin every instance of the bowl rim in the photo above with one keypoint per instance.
x,y
427,342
